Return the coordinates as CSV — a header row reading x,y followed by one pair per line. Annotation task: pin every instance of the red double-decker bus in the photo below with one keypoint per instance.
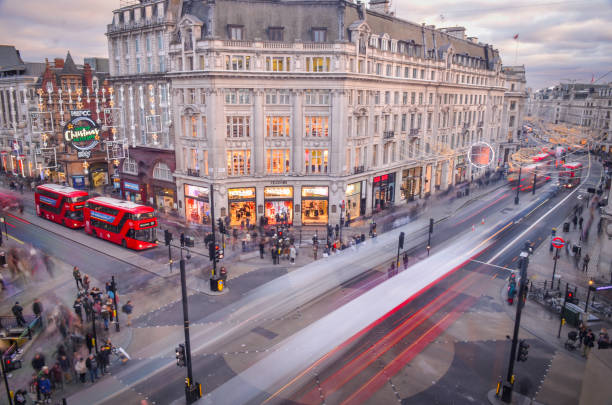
x,y
571,175
126,223
61,204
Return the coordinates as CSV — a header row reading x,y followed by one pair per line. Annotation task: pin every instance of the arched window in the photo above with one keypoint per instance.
x,y
161,171
130,166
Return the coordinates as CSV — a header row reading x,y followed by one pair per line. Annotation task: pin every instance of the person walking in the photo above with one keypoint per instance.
x,y
405,258
292,254
391,270
38,362
18,312
127,310
315,249
44,385
585,263
92,367
76,273
81,369
105,312
262,248
580,221
57,376
575,221
85,282
589,340
273,254
78,308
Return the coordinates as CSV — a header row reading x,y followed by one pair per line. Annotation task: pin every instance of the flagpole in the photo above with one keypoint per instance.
x,y
516,52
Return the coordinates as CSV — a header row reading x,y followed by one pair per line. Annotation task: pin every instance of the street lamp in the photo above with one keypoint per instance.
x,y
591,288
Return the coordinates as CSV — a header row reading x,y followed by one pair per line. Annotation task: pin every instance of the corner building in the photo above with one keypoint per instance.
x,y
315,110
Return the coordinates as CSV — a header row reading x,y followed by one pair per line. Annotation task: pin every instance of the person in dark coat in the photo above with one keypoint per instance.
x,y
38,362
18,312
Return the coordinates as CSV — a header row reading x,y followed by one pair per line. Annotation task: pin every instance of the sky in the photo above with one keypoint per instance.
x,y
558,40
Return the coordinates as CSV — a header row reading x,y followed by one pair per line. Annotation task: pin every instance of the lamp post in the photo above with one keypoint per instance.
x,y
518,186
114,285
8,390
591,288
193,391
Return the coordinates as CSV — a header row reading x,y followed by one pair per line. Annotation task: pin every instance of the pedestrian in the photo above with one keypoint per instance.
x,y
589,340
262,248
315,249
575,221
87,307
44,385
582,331
21,397
89,341
57,379
405,260
38,362
127,310
78,308
585,263
85,282
568,246
64,364
292,254
391,270
104,357
279,252
92,367
81,369
18,312
105,313
580,221
76,273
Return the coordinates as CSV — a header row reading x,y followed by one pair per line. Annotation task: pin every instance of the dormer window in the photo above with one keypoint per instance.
x,y
275,33
319,35
235,32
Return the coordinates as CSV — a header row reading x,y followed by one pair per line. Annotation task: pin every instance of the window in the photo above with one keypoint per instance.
x,y
278,161
278,64
375,156
275,33
194,126
238,96
238,126
319,34
278,97
149,64
160,41
203,96
203,120
137,45
234,62
423,74
277,126
316,160
205,161
420,98
238,162
316,126
512,105
403,122
428,120
377,98
161,171
162,63
317,97
389,70
412,98
433,75
511,123
130,166
398,71
379,68
318,64
396,98
405,98
387,97
138,67
148,43
414,73
235,32
430,98
191,96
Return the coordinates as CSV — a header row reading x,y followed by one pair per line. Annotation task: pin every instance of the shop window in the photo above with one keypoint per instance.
x,y
316,126
130,166
277,161
161,171
277,127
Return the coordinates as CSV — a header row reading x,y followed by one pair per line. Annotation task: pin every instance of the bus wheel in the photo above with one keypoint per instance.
x,y
123,244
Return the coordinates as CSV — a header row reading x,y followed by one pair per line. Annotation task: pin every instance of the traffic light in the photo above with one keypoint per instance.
x,y
221,225
431,224
167,237
571,298
180,355
401,240
523,351
182,239
218,252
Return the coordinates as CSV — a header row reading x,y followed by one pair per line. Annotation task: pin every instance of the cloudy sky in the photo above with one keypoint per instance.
x,y
558,40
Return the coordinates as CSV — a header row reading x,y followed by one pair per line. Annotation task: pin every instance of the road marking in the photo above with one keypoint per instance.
x,y
18,219
16,240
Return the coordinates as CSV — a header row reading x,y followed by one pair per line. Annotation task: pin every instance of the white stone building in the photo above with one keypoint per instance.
x,y
316,109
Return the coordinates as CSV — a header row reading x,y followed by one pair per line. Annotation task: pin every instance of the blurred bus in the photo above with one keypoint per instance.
x,y
61,204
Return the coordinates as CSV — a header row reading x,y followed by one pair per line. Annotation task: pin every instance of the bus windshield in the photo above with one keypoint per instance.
x,y
144,215
145,235
79,199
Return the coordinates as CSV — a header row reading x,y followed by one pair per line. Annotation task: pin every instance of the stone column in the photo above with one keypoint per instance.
x,y
337,130
444,182
297,132
258,134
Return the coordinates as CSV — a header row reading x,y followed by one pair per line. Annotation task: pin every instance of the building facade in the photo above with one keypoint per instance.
x,y
587,107
65,89
324,109
514,107
138,42
17,97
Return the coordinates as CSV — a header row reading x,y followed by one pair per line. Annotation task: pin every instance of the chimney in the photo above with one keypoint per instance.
x,y
59,63
87,75
473,39
380,6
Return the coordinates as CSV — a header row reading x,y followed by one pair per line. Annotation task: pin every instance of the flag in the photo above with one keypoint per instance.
x,y
515,36
593,78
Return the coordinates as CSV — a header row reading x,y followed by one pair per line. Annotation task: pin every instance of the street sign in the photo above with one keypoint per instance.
x,y
558,242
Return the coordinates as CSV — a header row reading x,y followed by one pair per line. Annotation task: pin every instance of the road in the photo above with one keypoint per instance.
x,y
252,325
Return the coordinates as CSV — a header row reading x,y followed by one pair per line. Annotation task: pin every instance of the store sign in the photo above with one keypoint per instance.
x,y
78,182
131,186
82,133
315,191
241,193
278,192
196,192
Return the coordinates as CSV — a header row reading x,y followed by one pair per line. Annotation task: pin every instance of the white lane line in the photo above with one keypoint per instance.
x,y
510,244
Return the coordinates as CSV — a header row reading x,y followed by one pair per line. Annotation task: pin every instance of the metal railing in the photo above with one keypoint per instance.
x,y
358,169
193,172
414,131
388,134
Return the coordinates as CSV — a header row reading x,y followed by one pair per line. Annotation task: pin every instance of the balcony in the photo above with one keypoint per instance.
x,y
481,124
414,131
193,172
466,125
135,25
388,134
358,169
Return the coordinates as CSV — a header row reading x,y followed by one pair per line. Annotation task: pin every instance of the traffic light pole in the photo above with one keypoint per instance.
x,y
114,284
189,381
552,283
534,182
518,186
8,390
170,257
563,310
507,389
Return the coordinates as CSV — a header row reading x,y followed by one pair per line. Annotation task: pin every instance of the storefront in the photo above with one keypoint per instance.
x,y
197,204
98,174
78,182
460,169
278,203
315,203
355,200
131,191
241,202
383,191
164,198
411,183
